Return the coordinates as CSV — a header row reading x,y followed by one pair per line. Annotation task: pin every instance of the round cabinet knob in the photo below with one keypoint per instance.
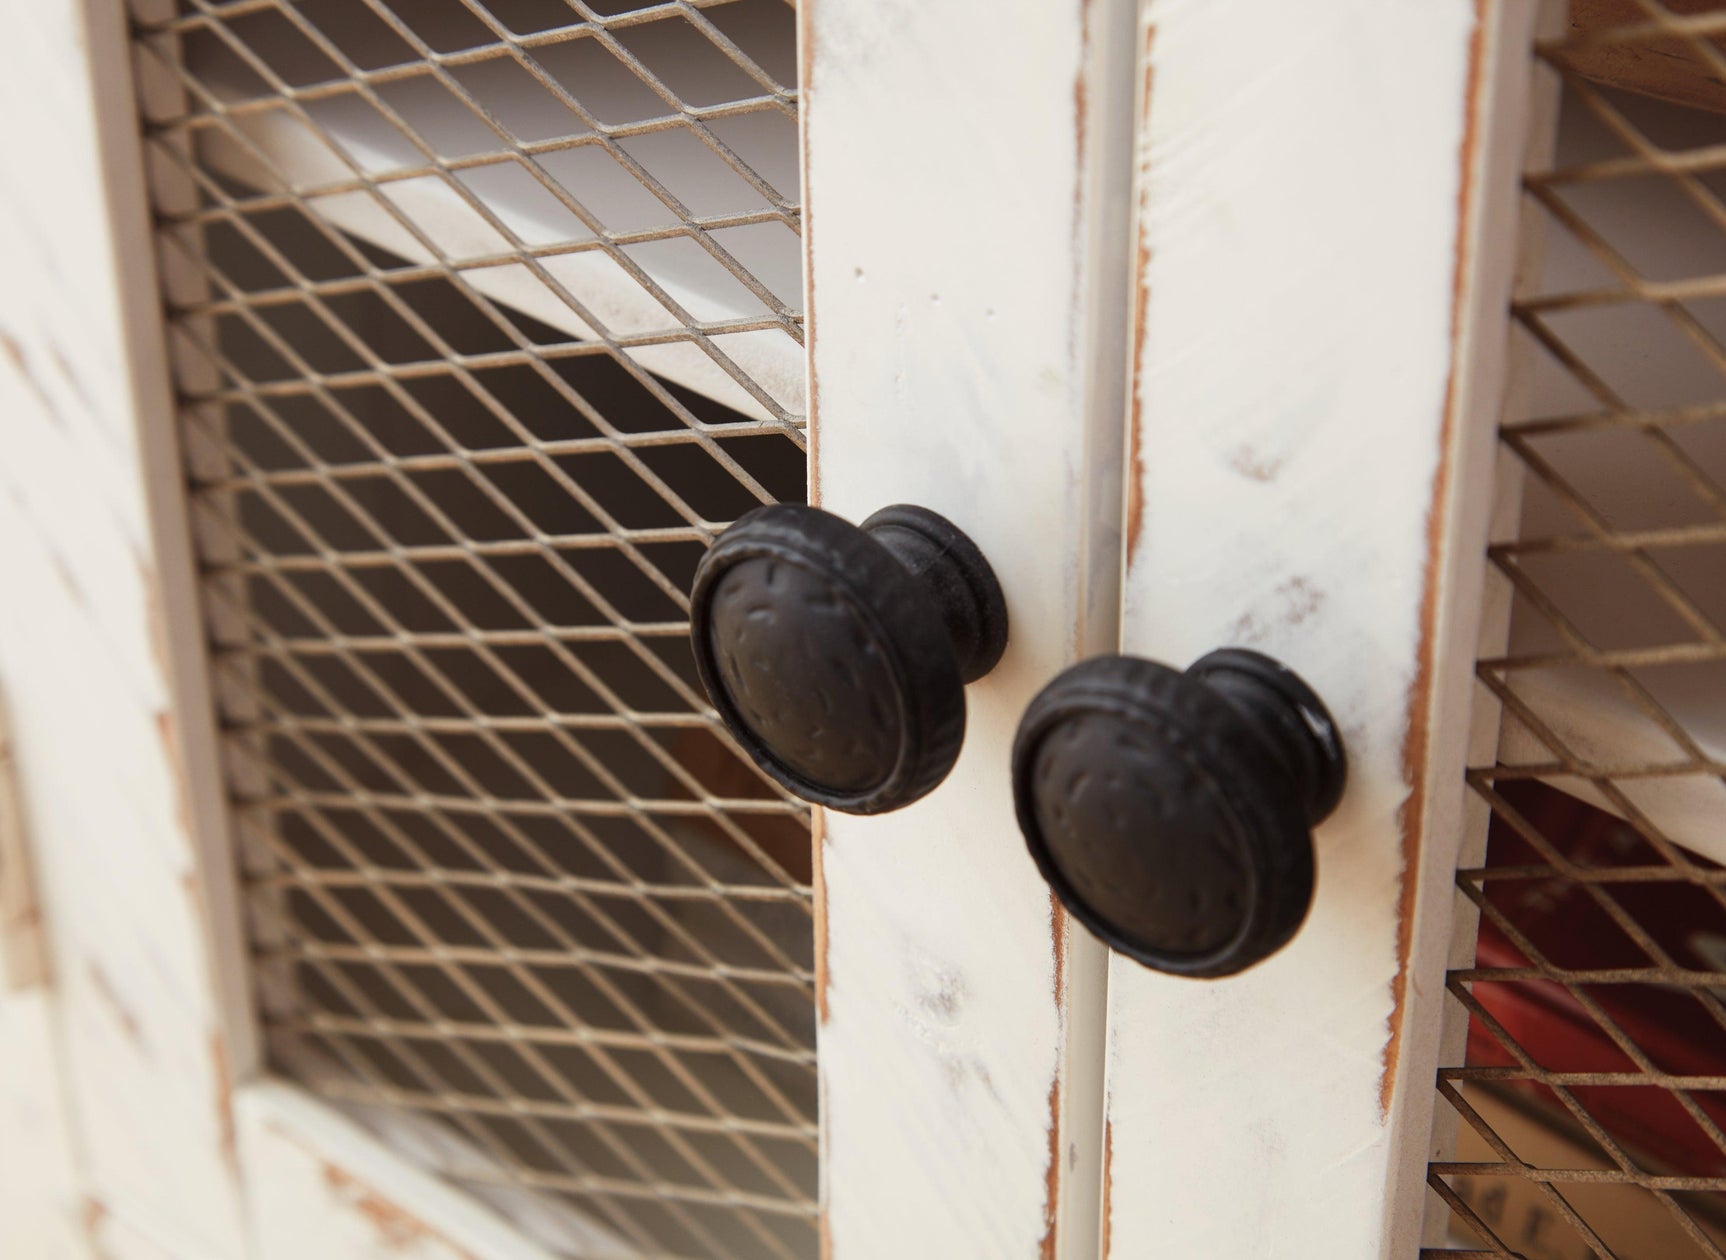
x,y
838,655
1172,812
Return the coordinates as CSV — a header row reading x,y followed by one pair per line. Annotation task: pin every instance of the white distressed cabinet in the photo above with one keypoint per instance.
x,y
375,878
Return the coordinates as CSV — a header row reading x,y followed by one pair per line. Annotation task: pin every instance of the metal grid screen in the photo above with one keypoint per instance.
x,y
1590,1105
486,318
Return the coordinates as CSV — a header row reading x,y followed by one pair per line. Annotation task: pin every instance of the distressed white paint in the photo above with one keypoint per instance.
x,y
121,1123
100,652
42,1206
967,183
1309,328
319,1185
81,657
23,950
1526,238
114,1237
1516,104
1300,315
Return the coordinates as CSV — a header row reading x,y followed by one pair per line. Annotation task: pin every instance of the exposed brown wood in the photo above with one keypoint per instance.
x,y
1058,931
1108,1181
1415,747
1133,526
1052,1201
397,1230
1670,67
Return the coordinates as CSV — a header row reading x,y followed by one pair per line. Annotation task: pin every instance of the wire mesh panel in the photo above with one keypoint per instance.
x,y
486,318
1591,1102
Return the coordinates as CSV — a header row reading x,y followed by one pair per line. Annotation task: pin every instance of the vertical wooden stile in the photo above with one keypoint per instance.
x,y
966,174
1327,206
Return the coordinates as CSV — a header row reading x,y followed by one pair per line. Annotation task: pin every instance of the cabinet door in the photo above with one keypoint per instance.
x,y
1327,225
403,892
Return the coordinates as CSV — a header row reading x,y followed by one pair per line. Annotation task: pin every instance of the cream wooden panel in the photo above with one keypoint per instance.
x,y
1327,223
84,660
43,1212
966,188
319,1185
161,1151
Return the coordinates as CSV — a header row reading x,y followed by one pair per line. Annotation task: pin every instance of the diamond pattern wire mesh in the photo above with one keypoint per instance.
x,y
486,318
1591,1103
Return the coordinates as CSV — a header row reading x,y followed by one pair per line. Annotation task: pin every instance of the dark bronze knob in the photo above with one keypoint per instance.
x,y
1172,812
838,655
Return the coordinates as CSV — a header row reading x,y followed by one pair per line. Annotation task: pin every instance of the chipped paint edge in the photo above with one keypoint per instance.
x,y
325,1186
1415,749
1515,121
